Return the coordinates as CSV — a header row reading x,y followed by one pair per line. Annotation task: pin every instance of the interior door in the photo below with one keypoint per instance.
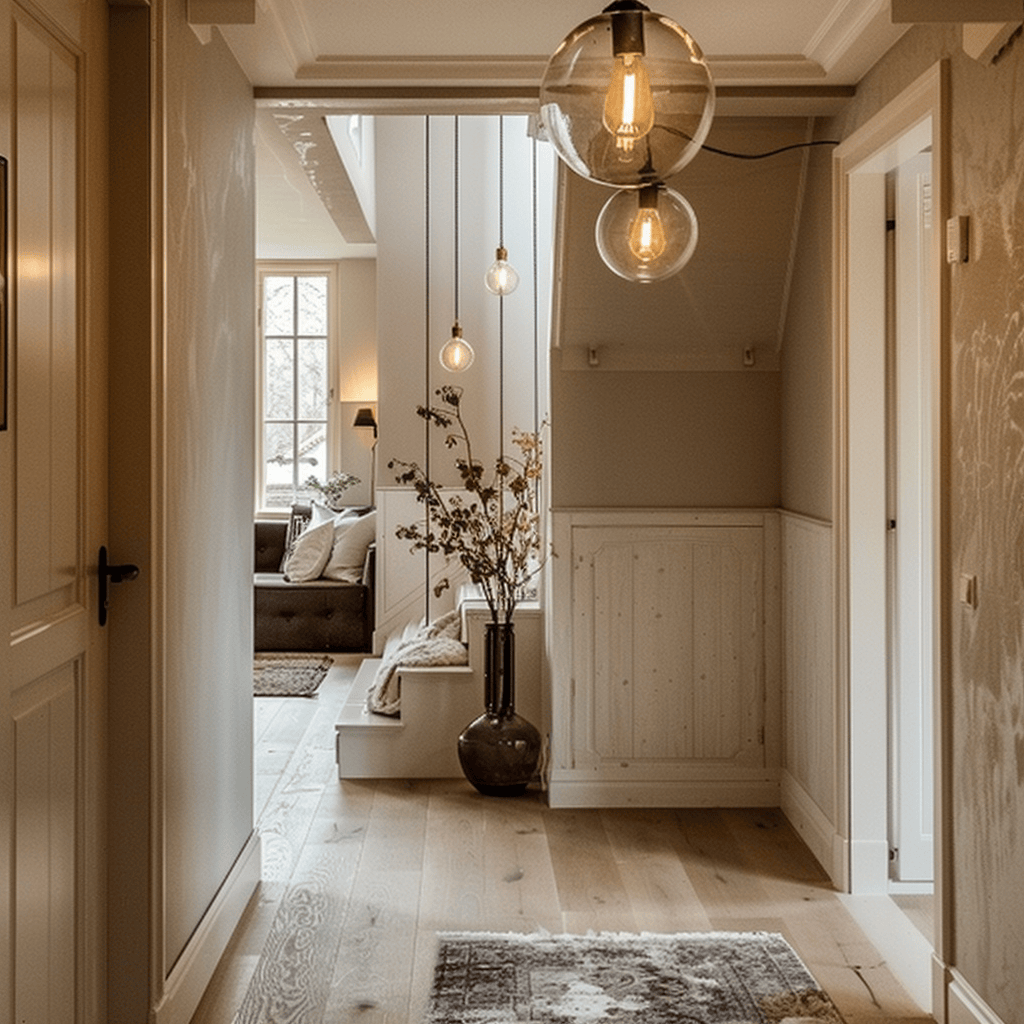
x,y
52,515
911,559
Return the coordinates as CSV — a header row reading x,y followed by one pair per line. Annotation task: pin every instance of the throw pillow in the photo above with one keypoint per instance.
x,y
352,537
298,520
310,553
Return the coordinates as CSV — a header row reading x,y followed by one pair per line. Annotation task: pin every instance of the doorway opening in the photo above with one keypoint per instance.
x,y
890,321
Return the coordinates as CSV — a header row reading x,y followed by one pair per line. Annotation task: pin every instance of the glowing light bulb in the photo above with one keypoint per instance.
x,y
501,278
629,103
647,232
456,354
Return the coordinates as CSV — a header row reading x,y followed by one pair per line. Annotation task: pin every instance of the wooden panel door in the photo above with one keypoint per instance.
x,y
52,514
669,662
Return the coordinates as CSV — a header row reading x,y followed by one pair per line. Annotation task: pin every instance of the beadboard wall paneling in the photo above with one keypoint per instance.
x,y
809,710
665,696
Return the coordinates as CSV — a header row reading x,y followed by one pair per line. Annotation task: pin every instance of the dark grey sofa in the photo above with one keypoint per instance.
x,y
321,615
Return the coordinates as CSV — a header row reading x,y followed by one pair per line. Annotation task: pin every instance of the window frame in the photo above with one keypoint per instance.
x,y
297,268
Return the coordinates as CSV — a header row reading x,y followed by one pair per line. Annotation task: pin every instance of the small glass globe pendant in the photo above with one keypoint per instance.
x,y
456,354
627,98
501,277
646,234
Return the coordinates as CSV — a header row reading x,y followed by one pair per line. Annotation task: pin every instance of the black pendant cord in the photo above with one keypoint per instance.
x,y
501,180
771,152
455,186
536,315
426,353
501,335
501,296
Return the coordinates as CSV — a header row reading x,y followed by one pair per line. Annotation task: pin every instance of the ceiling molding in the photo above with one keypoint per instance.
x,y
309,136
957,11
385,70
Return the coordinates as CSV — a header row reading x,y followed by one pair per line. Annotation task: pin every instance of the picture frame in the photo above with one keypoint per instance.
x,y
3,293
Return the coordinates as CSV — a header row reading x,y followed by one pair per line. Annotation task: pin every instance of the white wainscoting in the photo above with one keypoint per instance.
x,y
663,651
810,778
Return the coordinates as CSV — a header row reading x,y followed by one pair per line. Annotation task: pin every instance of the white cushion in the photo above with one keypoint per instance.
x,y
310,553
352,536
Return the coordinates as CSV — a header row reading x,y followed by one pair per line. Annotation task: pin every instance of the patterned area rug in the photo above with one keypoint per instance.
x,y
288,675
713,978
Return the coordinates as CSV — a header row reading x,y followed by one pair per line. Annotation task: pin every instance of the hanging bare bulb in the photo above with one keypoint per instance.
x,y
456,354
628,104
600,103
501,277
646,234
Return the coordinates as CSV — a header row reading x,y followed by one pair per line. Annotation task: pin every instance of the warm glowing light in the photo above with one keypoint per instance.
x,y
629,104
647,233
457,354
501,278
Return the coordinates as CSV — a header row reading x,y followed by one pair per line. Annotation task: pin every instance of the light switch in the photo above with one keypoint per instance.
x,y
957,239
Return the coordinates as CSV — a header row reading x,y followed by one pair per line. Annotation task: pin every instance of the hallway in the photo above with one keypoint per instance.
x,y
359,876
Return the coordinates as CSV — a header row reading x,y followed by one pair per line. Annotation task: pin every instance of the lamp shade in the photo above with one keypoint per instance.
x,y
646,234
364,418
627,98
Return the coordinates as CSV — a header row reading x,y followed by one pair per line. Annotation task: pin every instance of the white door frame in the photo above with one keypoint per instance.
x,y
859,485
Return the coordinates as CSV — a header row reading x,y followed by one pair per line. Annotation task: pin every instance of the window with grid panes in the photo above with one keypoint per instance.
x,y
296,436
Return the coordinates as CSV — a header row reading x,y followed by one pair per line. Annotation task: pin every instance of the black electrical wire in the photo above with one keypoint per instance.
x,y
771,152
745,156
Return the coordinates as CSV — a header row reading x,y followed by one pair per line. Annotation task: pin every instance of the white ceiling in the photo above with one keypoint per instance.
x,y
470,42
766,56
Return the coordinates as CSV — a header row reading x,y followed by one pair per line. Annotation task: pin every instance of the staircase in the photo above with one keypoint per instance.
x,y
437,704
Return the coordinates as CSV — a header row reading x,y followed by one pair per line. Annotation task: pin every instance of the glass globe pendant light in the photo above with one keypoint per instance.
x,y
627,98
456,354
646,234
501,277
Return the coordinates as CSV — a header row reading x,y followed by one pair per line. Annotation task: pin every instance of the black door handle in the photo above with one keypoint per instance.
x,y
115,574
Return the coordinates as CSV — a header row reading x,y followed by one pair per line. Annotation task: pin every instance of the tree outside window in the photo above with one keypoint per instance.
x,y
295,441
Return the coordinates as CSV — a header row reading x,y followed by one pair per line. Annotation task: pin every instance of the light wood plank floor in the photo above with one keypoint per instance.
x,y
359,877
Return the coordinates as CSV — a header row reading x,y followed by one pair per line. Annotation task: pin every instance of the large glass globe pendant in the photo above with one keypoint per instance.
x,y
627,98
646,234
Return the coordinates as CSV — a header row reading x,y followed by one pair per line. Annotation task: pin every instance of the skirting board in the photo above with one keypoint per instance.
x,y
815,829
965,1006
191,974
564,791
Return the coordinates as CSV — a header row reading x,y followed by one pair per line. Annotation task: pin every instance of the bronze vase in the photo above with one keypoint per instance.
x,y
500,750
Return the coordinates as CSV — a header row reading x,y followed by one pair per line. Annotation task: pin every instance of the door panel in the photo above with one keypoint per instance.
x,y
670,664
52,517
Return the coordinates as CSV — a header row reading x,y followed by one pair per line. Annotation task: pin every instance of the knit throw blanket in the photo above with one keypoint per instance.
x,y
434,644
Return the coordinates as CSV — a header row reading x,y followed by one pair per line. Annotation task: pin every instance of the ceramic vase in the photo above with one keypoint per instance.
x,y
500,750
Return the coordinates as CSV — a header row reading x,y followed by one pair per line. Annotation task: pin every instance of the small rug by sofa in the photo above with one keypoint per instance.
x,y
699,978
289,675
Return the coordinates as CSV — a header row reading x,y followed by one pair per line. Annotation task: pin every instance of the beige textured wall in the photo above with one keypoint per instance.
x,y
985,465
622,440
806,430
209,379
672,416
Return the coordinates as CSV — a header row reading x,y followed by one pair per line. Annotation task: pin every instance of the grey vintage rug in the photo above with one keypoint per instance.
x,y
288,675
699,978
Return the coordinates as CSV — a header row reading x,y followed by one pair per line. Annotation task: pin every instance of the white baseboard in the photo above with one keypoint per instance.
x,y
965,1006
904,948
814,828
191,974
565,791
